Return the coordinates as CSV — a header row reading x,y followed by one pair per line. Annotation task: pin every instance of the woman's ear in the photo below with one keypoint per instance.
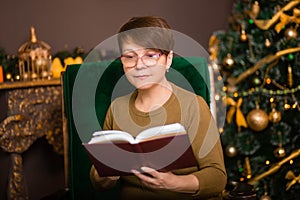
x,y
169,60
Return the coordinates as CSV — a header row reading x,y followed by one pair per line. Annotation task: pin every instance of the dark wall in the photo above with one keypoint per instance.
x,y
66,24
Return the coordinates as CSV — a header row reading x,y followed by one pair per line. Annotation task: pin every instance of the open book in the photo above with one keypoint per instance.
x,y
164,148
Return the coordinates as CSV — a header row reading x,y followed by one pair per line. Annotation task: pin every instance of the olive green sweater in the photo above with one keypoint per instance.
x,y
193,113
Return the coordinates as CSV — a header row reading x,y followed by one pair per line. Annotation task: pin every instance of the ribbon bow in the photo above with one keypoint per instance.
x,y
291,176
235,108
285,19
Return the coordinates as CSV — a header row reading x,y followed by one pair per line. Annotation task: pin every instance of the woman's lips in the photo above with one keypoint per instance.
x,y
141,77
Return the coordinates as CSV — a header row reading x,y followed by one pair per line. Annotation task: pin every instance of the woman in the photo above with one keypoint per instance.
x,y
146,44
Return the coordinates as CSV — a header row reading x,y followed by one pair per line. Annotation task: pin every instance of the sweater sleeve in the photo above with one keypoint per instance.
x,y
107,125
208,151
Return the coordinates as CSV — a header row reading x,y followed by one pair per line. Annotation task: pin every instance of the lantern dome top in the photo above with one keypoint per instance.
x,y
33,44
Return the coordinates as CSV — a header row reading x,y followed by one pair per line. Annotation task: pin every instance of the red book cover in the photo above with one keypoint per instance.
x,y
162,154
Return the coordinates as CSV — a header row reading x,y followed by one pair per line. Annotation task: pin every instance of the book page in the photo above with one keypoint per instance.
x,y
111,136
160,131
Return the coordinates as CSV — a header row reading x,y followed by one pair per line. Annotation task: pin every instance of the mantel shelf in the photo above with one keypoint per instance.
x,y
26,84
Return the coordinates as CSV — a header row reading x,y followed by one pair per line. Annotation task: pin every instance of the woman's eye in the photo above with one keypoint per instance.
x,y
151,55
128,56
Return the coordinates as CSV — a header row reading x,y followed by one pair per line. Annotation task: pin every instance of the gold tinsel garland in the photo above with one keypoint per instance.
x,y
284,19
274,168
267,59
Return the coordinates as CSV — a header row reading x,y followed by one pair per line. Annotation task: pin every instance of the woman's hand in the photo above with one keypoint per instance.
x,y
168,180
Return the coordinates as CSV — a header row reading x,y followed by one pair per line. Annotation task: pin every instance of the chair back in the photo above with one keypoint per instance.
x,y
88,90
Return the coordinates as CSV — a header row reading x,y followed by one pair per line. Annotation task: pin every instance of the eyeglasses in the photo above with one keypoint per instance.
x,y
131,59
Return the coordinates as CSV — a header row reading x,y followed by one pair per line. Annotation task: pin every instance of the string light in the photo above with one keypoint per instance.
x,y
294,105
268,81
221,130
286,105
262,91
291,56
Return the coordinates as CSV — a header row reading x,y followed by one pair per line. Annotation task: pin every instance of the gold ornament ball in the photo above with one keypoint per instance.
x,y
228,61
257,119
255,8
279,152
243,36
265,197
291,33
267,43
275,116
231,151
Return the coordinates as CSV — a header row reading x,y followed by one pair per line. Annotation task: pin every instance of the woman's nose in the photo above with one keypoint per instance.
x,y
140,64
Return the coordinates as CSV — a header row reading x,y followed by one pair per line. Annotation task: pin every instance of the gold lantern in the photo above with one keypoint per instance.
x,y
34,59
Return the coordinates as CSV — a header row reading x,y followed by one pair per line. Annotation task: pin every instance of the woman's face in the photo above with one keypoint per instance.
x,y
144,68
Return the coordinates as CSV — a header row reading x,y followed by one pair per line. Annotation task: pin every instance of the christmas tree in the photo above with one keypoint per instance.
x,y
259,62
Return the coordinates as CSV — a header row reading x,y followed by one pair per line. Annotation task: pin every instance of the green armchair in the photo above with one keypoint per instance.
x,y
88,90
